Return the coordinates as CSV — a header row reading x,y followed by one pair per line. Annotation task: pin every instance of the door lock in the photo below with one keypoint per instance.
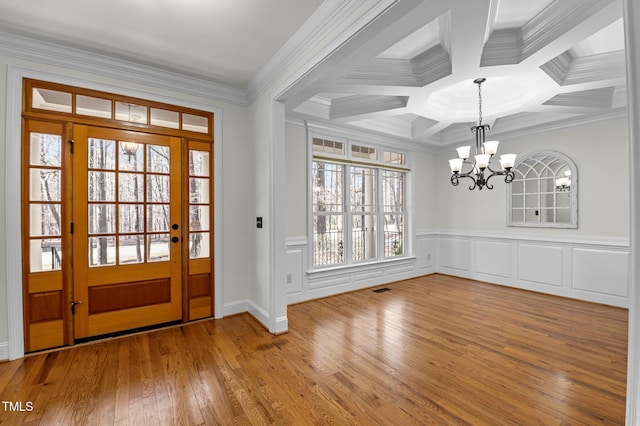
x,y
175,239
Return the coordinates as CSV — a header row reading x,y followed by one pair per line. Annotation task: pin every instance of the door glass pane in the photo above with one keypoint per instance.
x,y
158,218
52,100
158,188
44,185
198,163
102,251
199,218
131,249
44,219
130,187
131,156
45,255
199,190
198,245
131,112
92,106
158,247
157,159
102,154
102,186
102,218
195,123
165,118
45,150
131,218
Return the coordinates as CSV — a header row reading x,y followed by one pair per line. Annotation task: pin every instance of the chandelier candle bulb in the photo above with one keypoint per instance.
x,y
456,164
463,152
491,147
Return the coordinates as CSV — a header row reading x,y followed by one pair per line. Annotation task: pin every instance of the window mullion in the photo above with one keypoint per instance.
x,y
380,214
346,206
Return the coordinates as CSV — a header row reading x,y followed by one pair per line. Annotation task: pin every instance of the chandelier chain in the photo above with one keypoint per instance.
x,y
479,104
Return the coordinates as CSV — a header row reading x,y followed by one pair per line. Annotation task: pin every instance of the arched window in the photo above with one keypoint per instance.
x,y
544,192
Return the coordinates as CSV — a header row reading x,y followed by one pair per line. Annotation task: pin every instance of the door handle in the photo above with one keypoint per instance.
x,y
175,239
174,226
73,306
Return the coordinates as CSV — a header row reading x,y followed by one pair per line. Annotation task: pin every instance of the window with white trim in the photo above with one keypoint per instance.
x,y
357,190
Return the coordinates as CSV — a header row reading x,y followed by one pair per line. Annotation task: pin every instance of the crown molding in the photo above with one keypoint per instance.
x,y
605,66
356,105
328,19
593,98
557,19
47,53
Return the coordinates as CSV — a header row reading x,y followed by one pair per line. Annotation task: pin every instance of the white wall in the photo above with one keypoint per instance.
x,y
236,196
297,179
603,198
589,263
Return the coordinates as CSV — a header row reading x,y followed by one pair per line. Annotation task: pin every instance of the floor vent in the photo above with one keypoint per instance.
x,y
381,290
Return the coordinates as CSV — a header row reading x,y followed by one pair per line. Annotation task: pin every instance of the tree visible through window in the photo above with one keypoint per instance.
x,y
352,201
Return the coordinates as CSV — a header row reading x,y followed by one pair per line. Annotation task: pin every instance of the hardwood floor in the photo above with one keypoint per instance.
x,y
432,350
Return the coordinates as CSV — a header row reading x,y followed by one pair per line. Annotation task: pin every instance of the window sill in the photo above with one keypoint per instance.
x,y
335,270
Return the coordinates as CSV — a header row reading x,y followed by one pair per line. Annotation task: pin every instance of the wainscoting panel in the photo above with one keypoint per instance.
x,y
598,270
493,258
592,270
425,252
540,264
595,270
294,270
309,285
455,253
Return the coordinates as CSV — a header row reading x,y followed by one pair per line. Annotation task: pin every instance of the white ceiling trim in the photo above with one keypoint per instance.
x,y
325,20
68,58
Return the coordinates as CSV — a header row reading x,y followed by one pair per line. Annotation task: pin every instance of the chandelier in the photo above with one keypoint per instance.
x,y
480,170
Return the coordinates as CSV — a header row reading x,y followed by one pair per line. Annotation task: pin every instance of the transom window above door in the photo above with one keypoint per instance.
x,y
50,97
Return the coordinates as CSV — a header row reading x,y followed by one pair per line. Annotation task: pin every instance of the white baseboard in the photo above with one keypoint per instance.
x,y
236,307
258,313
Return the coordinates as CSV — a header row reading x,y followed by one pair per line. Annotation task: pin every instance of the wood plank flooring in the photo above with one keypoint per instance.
x,y
432,350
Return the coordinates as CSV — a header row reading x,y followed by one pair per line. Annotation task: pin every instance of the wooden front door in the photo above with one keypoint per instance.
x,y
117,214
127,230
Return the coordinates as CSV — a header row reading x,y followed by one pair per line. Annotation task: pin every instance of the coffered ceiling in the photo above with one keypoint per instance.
x,y
547,62
408,74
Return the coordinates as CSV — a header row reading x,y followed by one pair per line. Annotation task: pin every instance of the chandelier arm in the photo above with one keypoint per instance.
x,y
494,172
455,179
509,176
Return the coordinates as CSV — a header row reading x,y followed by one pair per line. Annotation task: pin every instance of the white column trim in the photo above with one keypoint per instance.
x,y
278,322
13,240
631,13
